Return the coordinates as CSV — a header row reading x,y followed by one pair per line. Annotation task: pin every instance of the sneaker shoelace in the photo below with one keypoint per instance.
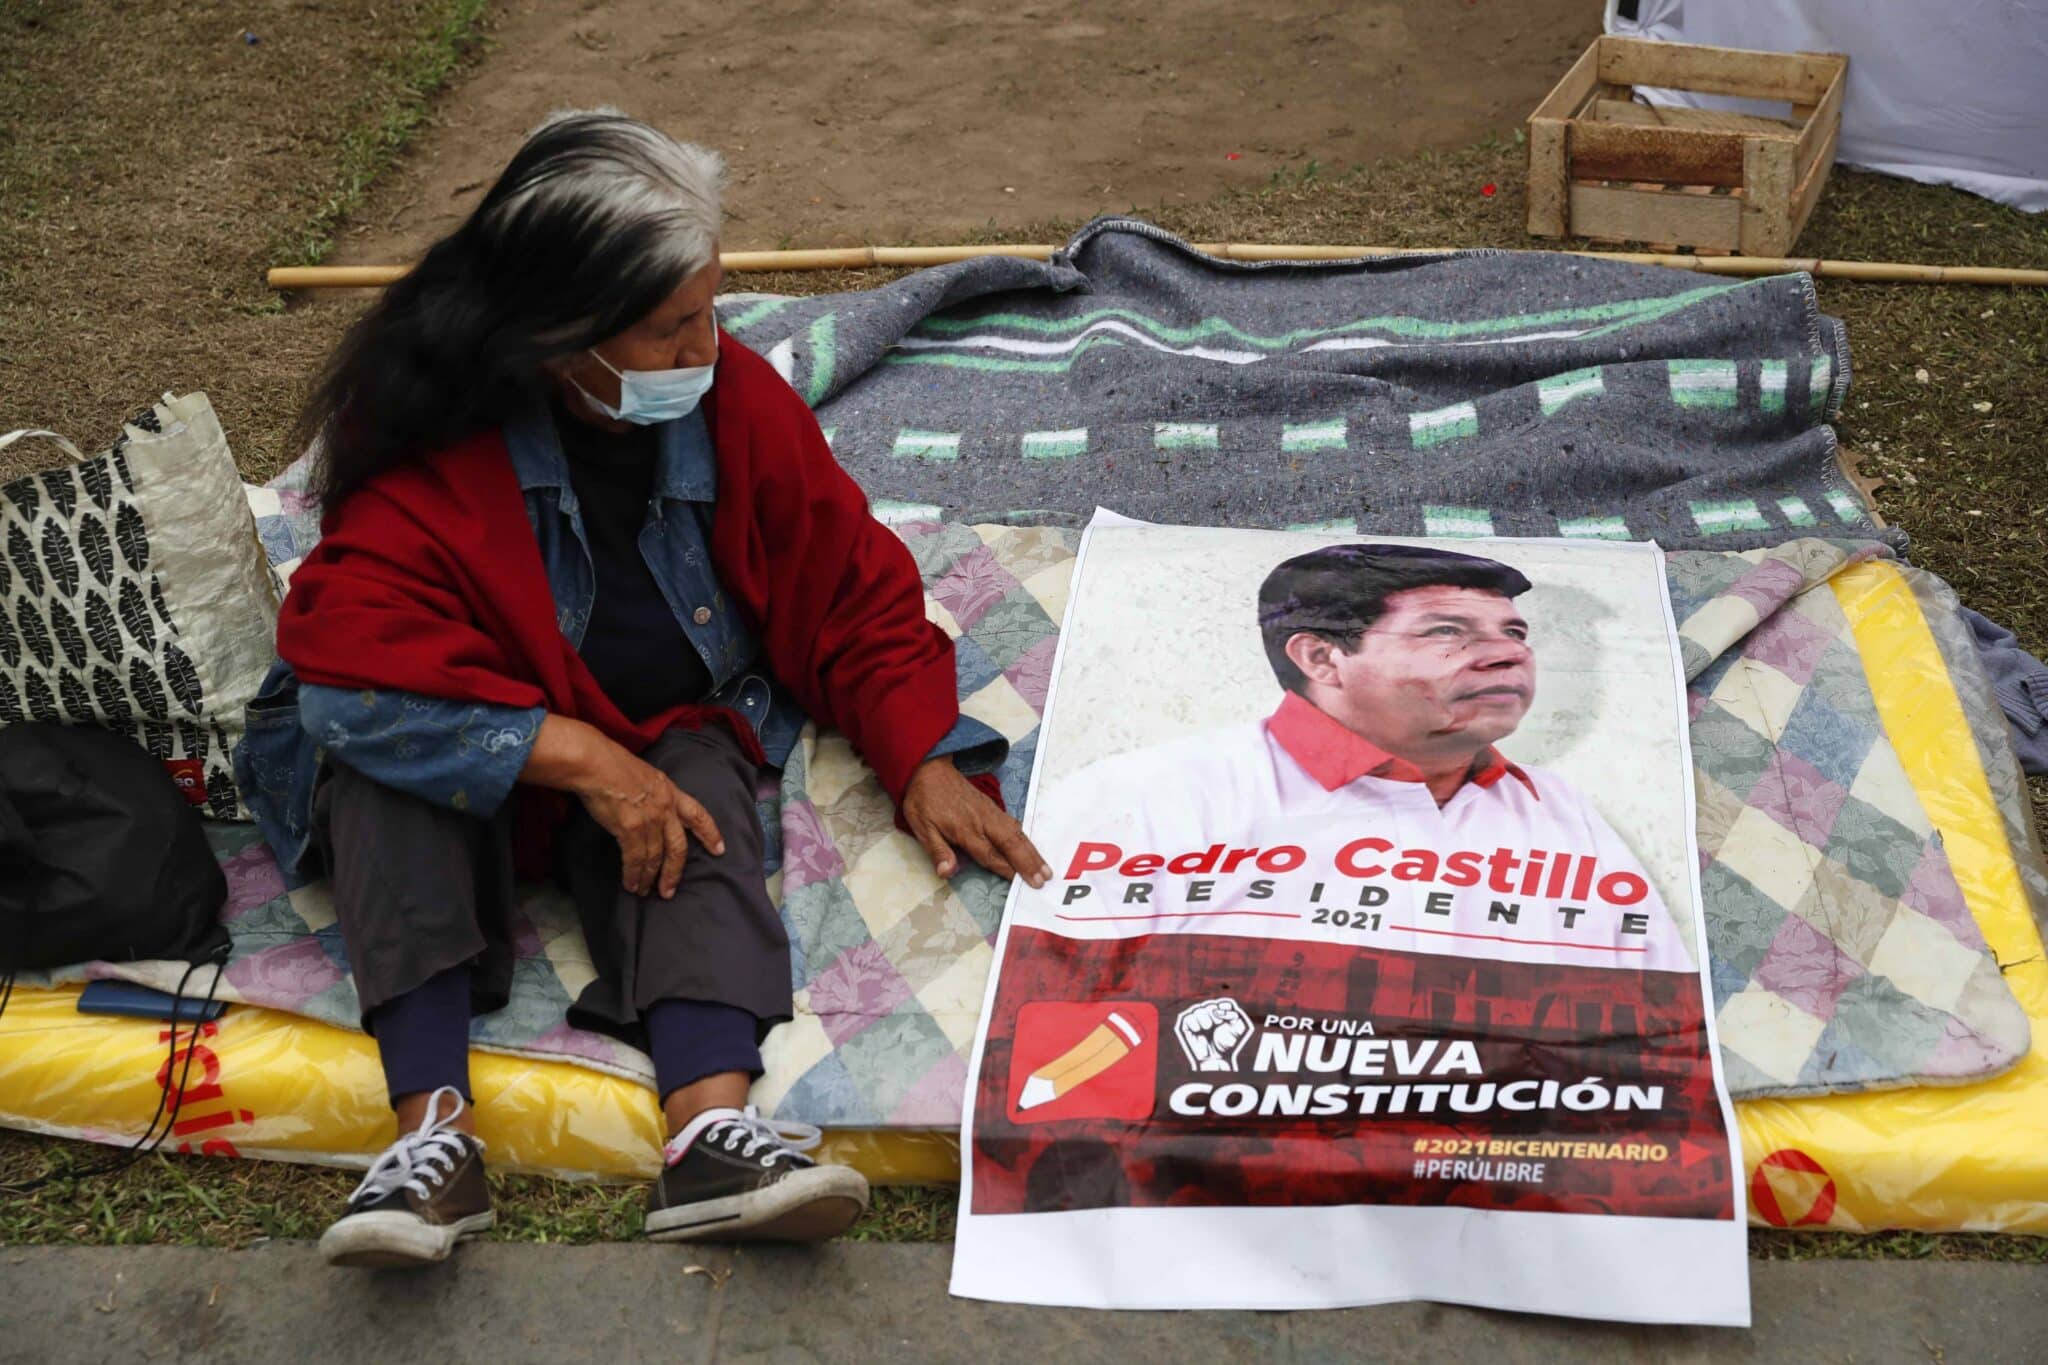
x,y
746,1134
421,1160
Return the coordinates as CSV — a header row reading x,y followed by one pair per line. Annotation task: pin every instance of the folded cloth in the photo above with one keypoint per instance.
x,y
2020,682
428,580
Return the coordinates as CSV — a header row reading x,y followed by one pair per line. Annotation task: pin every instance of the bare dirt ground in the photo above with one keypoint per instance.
x,y
154,159
866,120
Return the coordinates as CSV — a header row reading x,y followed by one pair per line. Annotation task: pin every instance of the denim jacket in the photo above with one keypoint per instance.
x,y
468,756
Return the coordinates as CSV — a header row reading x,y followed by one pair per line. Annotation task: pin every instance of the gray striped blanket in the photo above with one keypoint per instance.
x,y
1479,393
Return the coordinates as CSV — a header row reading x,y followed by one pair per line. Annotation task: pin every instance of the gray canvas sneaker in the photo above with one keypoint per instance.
x,y
732,1175
421,1197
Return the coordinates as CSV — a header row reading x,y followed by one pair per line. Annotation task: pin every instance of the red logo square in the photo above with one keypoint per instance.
x,y
1075,1061
189,775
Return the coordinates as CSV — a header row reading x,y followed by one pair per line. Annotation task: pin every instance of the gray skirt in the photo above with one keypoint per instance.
x,y
419,889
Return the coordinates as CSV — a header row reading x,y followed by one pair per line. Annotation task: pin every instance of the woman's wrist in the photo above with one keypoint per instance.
x,y
566,756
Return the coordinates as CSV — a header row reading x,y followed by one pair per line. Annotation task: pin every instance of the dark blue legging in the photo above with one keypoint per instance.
x,y
423,1038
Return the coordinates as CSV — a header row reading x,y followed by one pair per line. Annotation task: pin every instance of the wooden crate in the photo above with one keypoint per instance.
x,y
1605,167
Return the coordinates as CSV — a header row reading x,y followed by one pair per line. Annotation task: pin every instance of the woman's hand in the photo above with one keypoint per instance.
x,y
946,811
633,800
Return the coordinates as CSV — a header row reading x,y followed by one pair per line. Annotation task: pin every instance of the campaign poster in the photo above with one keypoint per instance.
x,y
1370,967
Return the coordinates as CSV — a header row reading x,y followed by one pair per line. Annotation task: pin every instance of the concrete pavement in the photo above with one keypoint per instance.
x,y
501,1303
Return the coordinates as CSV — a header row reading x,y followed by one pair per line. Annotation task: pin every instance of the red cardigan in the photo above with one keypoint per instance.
x,y
428,580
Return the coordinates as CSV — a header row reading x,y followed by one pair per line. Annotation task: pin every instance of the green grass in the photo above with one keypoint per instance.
x,y
207,1201
400,102
1771,1245
203,1201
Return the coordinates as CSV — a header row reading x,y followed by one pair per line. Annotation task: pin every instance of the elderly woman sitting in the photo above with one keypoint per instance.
x,y
587,563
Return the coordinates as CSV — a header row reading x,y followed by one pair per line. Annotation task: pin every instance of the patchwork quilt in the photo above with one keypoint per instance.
x,y
1842,952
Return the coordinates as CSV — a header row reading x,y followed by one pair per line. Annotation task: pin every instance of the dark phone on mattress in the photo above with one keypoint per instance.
x,y
140,1002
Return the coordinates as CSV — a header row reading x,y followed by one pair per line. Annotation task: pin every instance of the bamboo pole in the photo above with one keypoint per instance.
x,y
869,257
334,276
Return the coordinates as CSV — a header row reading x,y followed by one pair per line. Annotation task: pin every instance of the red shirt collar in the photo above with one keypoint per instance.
x,y
1336,757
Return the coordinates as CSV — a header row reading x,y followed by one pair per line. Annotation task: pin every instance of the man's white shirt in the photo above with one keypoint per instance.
x,y
1240,787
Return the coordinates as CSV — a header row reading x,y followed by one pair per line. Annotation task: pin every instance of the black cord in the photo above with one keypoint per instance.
x,y
150,1139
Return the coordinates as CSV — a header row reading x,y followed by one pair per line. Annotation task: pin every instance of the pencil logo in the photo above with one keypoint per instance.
x,y
1084,1060
1111,1042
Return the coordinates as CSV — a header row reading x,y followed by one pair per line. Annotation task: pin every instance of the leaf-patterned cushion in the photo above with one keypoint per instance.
x,y
135,595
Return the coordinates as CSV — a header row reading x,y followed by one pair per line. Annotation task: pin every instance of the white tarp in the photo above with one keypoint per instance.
x,y
1950,93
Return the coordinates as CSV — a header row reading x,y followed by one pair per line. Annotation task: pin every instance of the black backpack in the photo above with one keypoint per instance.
x,y
101,857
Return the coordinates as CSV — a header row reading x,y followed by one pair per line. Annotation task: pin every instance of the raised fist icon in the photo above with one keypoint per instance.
x,y
1212,1033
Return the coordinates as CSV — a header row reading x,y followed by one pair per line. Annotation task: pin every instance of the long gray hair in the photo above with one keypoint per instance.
x,y
596,220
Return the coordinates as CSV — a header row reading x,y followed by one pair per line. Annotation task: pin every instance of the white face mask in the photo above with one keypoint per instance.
x,y
647,397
